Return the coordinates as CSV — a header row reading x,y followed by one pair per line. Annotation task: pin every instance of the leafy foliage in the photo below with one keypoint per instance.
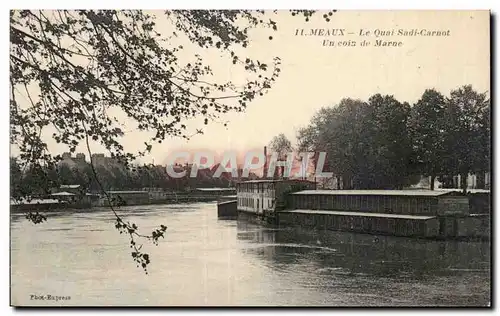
x,y
390,139
427,126
126,63
282,146
382,143
467,137
81,71
36,217
113,175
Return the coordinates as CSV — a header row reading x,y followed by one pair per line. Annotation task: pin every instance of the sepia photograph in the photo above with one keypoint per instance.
x,y
250,158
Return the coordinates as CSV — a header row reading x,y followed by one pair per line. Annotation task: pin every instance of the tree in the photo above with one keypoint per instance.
x,y
65,174
282,146
306,143
427,129
390,142
366,143
336,130
15,176
349,140
467,137
78,67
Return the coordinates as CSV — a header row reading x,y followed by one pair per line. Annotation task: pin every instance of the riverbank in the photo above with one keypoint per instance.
x,y
51,205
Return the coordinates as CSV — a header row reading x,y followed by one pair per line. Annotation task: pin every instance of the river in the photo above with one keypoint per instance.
x,y
206,261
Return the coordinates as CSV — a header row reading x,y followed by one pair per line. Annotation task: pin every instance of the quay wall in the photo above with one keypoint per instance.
x,y
480,203
255,218
227,209
169,199
476,226
383,225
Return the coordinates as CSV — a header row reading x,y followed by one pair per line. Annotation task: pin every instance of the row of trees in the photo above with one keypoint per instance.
x,y
384,143
36,180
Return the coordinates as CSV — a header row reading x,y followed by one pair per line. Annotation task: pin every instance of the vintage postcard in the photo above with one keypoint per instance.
x,y
250,158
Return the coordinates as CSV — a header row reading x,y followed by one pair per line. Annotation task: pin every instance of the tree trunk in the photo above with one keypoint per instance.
x,y
463,180
433,177
480,179
346,182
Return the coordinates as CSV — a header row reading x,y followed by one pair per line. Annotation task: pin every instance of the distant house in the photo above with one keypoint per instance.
x,y
65,196
474,181
71,188
268,196
75,195
217,191
479,181
126,197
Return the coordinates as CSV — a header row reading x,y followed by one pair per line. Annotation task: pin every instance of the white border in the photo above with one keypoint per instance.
x,y
262,4
200,4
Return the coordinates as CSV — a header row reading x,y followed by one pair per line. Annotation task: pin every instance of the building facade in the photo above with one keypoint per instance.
x,y
265,197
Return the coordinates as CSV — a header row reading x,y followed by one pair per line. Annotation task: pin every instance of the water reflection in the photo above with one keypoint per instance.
x,y
375,270
330,254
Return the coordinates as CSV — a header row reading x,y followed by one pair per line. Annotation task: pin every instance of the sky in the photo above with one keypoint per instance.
x,y
313,76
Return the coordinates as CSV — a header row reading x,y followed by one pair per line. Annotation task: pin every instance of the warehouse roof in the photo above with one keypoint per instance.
x,y
374,192
215,189
63,194
35,201
127,192
69,186
276,180
365,214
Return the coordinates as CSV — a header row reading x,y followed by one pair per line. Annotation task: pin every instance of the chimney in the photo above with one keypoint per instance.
x,y
264,172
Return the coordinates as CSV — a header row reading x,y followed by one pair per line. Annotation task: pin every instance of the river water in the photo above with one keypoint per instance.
x,y
206,261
